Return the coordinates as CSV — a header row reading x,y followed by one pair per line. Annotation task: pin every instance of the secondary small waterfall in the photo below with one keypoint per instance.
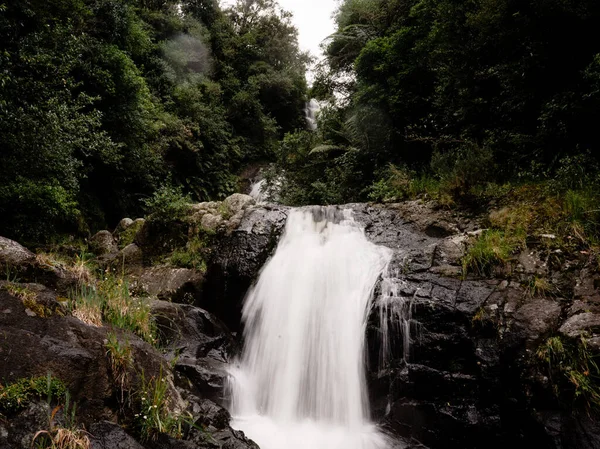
x,y
310,111
300,383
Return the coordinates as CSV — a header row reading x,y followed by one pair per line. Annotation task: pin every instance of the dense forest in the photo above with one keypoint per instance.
x,y
107,104
110,106
455,94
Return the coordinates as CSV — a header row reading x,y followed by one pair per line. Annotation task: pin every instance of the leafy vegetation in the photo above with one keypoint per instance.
x,y
104,103
155,415
451,100
15,396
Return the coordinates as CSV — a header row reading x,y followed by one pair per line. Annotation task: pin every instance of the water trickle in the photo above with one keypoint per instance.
x,y
395,304
301,380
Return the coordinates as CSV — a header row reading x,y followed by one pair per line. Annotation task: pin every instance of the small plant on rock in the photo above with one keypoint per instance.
x,y
121,360
489,249
155,415
573,370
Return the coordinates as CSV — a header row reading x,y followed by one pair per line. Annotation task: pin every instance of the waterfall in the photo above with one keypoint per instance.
x,y
310,111
258,191
300,383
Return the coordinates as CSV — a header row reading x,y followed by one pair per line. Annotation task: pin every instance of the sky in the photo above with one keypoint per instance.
x,y
314,21
313,18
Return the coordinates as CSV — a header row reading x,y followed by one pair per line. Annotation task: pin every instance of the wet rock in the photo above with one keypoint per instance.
x,y
71,351
199,344
237,260
107,435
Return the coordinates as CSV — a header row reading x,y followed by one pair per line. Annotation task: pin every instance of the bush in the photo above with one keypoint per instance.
x,y
167,204
461,169
399,183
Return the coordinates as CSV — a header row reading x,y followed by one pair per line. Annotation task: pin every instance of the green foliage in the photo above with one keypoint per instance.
x,y
121,360
15,396
104,102
167,204
573,371
401,183
460,92
192,256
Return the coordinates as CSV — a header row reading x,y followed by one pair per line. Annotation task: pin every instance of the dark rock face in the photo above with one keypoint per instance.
x,y
181,285
237,261
470,379
200,346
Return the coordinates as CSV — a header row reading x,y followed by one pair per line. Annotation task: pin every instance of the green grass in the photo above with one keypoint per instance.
x,y
121,361
110,302
155,415
490,249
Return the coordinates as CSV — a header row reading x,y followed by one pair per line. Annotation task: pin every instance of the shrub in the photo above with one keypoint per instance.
x,y
167,204
463,168
399,183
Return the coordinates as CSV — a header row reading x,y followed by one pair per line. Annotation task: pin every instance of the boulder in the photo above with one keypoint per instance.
x,y
102,243
21,265
122,226
170,284
238,257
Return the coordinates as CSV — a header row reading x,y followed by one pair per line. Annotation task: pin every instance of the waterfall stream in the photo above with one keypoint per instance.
x,y
300,382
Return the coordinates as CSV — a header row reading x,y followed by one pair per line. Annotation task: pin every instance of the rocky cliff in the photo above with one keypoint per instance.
x,y
454,360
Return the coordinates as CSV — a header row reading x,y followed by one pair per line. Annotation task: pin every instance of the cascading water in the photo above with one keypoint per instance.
x,y
395,306
310,111
258,191
300,383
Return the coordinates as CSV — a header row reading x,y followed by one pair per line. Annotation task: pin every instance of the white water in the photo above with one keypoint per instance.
x,y
300,383
311,111
395,318
258,191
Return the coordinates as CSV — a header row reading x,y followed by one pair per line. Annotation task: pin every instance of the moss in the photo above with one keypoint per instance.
x,y
127,236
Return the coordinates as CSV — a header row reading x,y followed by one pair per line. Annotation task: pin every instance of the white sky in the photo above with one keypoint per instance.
x,y
314,21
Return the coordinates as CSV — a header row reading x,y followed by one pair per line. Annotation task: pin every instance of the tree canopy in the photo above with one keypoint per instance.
x,y
102,102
